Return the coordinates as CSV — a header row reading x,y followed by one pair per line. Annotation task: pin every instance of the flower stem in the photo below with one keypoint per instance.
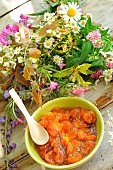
x,y
5,141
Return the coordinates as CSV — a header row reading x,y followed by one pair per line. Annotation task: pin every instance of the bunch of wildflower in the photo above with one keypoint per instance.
x,y
7,33
107,74
97,74
49,56
95,38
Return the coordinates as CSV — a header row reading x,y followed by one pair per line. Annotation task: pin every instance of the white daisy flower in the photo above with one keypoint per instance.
x,y
10,55
70,12
17,37
107,72
108,78
17,34
5,48
109,60
82,23
36,38
110,71
48,43
57,59
76,29
88,15
18,40
20,59
104,28
72,24
17,50
48,16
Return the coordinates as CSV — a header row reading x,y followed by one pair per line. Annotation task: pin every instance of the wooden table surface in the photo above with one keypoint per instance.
x,y
101,96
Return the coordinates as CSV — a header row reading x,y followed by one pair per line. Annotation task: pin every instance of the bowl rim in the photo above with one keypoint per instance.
x,y
76,164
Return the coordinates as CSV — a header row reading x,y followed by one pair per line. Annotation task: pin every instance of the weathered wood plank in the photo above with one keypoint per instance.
x,y
101,12
98,9
101,160
27,8
101,95
8,5
18,138
93,95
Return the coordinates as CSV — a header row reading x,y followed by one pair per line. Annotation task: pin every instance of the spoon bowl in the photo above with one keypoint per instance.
x,y
38,134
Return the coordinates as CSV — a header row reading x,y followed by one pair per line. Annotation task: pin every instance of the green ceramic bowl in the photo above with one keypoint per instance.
x,y
70,102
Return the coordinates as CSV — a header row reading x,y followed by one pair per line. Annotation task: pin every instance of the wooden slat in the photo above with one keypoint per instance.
x,y
98,9
101,160
101,95
18,138
27,8
93,96
8,5
101,11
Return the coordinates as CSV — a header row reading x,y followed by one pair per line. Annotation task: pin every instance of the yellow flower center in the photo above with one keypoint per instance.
x,y
76,28
83,22
71,12
11,54
48,43
109,71
108,77
17,34
72,24
110,59
56,60
5,48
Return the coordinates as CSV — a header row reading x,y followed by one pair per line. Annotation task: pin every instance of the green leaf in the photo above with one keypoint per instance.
x,y
53,4
104,32
98,62
86,48
63,73
74,78
82,82
74,60
77,57
38,13
87,26
84,69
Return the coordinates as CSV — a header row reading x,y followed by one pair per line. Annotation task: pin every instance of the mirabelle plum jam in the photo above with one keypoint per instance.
x,y
72,135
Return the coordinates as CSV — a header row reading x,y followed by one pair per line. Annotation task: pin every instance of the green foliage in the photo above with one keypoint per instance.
x,y
80,80
63,73
98,62
86,49
84,69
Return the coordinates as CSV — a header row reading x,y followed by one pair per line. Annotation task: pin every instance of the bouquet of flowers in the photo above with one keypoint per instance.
x,y
62,52
59,54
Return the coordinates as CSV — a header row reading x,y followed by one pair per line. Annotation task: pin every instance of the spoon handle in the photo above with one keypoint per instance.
x,y
19,103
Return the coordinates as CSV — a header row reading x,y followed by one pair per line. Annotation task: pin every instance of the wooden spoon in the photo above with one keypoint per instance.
x,y
37,132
